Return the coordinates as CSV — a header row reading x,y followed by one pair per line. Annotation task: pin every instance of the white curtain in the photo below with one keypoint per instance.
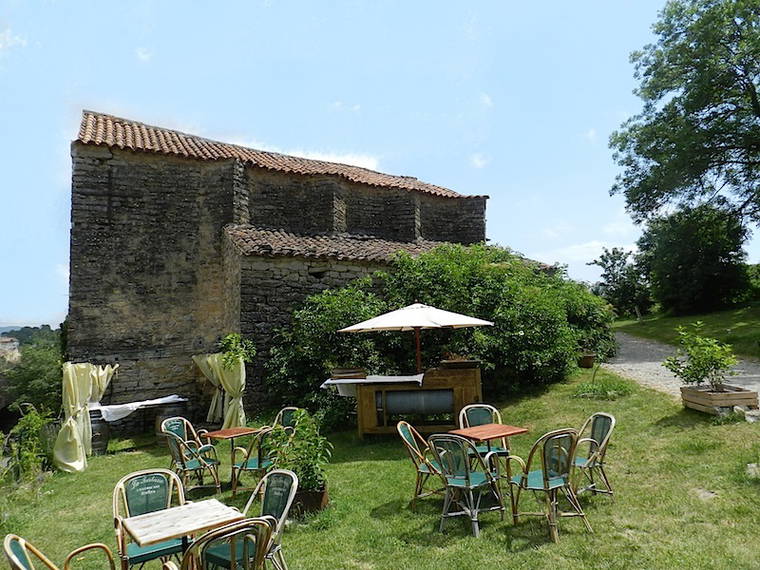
x,y
232,380
70,449
216,409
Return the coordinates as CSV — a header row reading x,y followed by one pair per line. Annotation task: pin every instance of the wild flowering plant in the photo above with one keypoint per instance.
x,y
700,358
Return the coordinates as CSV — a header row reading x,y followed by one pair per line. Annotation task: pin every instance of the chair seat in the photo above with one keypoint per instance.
x,y
581,462
477,479
423,468
138,554
253,464
194,464
536,481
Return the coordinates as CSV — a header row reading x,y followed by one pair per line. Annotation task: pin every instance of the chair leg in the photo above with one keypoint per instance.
x,y
446,504
281,560
233,481
605,480
417,489
514,499
573,498
551,505
473,512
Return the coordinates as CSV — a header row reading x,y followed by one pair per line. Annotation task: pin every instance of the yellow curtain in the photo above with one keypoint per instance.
x,y
101,377
70,450
232,380
216,409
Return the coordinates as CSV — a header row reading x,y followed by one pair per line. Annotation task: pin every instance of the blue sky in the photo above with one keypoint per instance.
x,y
514,100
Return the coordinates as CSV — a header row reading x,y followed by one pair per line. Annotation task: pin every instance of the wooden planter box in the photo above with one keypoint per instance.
x,y
705,400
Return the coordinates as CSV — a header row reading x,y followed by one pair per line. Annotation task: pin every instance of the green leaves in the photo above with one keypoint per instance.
x,y
700,359
236,348
698,133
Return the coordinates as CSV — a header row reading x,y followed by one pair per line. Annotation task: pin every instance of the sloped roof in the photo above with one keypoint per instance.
x,y
253,240
101,129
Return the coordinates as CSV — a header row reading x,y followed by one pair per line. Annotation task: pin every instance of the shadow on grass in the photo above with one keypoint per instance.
x,y
685,418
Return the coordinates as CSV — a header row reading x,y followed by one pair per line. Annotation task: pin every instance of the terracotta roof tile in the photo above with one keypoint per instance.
x,y
252,240
101,129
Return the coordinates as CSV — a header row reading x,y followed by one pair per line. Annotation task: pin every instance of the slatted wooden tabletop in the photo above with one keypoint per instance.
x,y
180,521
489,431
231,433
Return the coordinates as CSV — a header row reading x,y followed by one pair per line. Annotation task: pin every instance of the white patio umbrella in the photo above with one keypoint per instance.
x,y
416,317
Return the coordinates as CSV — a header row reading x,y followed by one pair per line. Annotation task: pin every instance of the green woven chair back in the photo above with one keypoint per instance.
x,y
557,455
177,427
478,416
287,417
18,550
276,495
600,428
242,545
452,455
409,439
147,493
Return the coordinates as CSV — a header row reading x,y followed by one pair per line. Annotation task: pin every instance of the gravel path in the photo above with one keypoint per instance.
x,y
640,358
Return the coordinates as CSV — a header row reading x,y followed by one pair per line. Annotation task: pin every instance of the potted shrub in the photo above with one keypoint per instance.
x,y
303,450
703,363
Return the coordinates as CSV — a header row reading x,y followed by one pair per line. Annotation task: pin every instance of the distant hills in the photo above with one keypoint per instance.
x,y
7,329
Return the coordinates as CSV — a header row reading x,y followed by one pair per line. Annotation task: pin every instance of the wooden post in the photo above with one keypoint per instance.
x,y
419,350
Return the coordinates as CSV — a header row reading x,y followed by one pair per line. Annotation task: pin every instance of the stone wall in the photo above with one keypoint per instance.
x,y
455,220
147,283
270,288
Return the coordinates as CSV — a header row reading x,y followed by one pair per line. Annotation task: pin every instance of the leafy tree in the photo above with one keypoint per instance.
x,y
698,135
541,320
694,259
37,378
623,284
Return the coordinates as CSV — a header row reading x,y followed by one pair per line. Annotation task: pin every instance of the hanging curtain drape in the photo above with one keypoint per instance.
x,y
101,377
70,451
232,380
216,409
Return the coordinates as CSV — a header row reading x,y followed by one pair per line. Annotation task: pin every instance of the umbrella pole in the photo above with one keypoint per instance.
x,y
419,350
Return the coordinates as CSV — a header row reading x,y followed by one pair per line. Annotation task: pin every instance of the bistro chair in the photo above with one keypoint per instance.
x,y
279,489
143,492
248,539
468,479
22,554
257,458
478,415
190,458
286,417
555,450
419,452
591,467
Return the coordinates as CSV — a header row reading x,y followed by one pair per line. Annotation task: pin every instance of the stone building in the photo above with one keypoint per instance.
x,y
177,240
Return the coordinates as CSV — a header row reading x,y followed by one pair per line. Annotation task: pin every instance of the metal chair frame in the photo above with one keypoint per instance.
x,y
593,463
463,496
281,414
419,450
552,512
120,506
30,550
254,446
185,450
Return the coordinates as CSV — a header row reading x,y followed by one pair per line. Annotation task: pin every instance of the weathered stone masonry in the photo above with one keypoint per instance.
x,y
176,240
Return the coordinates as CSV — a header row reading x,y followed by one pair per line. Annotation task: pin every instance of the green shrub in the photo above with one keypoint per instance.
x,y
302,450
541,320
700,359
25,449
37,377
236,348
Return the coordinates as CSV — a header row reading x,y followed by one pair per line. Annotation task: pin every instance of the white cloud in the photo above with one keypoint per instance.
x,y
590,135
557,230
342,106
485,100
477,160
62,271
352,158
580,252
143,54
10,40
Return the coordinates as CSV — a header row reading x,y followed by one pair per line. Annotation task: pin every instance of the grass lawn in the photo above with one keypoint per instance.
x,y
682,499
738,327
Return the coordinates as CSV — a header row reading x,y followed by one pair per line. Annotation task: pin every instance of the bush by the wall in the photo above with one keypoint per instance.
x,y
541,321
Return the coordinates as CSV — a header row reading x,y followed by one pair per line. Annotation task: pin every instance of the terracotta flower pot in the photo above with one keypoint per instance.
x,y
586,360
310,501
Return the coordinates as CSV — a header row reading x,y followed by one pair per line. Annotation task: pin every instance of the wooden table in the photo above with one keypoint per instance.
x,y
179,522
231,434
487,432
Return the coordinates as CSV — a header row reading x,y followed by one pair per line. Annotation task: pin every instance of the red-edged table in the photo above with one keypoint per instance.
x,y
231,434
487,432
